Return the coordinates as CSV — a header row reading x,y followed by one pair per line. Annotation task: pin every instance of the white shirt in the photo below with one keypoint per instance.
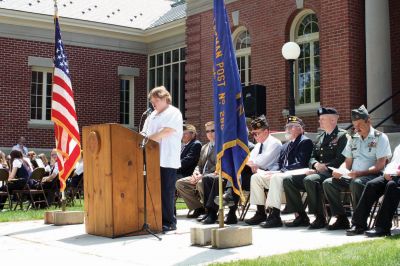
x,y
394,164
55,169
170,152
39,162
17,163
79,167
268,159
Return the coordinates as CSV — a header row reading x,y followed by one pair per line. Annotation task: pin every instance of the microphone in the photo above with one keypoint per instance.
x,y
148,111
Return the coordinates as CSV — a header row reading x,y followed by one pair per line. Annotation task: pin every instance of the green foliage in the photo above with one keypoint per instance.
x,y
32,214
383,251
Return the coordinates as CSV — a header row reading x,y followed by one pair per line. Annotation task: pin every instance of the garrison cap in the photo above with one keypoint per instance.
x,y
360,113
291,119
259,122
327,111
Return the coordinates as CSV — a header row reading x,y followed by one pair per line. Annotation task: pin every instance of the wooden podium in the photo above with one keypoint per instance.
x,y
113,167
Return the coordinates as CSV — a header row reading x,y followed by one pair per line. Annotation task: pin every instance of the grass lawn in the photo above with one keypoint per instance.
x,y
32,214
382,251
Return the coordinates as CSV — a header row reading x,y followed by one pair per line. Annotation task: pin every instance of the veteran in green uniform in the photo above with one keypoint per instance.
x,y
327,152
366,155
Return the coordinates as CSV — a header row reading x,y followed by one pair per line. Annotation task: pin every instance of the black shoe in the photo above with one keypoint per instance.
x,y
197,212
231,218
211,218
167,228
272,222
319,222
202,217
301,220
355,230
256,219
341,223
377,231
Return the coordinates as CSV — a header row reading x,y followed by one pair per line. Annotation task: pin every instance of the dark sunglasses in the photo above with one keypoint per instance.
x,y
209,131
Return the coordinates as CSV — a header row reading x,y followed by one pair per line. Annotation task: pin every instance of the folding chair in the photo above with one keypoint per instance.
x,y
75,192
4,180
34,192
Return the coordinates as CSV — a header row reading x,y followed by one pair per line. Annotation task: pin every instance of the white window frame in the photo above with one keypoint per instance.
x,y
131,100
163,65
246,53
301,40
40,123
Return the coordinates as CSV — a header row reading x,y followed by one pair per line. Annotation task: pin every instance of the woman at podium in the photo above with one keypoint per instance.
x,y
164,125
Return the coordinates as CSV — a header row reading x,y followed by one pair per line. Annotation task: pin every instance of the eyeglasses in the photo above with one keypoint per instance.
x,y
210,131
291,126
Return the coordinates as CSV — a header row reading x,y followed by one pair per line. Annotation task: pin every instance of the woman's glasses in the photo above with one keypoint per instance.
x,y
210,131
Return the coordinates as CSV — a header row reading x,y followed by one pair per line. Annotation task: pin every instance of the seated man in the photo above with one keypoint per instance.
x,y
190,151
187,186
387,185
366,154
327,151
263,156
295,154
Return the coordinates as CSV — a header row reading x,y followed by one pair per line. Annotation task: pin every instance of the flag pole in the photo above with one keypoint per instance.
x,y
63,201
221,207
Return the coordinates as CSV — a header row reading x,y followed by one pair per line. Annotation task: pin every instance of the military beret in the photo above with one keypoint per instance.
x,y
291,119
360,113
259,122
327,111
189,127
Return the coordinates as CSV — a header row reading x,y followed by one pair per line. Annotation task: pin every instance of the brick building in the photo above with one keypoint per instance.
x,y
350,56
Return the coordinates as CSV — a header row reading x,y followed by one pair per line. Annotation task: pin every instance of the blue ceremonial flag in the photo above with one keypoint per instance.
x,y
230,122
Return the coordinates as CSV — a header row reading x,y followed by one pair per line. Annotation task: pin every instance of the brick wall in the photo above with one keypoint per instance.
x,y
95,83
342,53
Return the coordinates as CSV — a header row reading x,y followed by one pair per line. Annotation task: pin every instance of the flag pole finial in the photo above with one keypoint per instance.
x,y
55,9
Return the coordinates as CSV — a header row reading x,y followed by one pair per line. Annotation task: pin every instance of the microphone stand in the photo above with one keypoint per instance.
x,y
146,226
142,145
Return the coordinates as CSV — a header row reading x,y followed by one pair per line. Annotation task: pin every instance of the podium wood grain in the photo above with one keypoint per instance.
x,y
113,167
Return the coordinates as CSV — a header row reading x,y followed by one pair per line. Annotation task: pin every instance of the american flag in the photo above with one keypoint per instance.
x,y
63,113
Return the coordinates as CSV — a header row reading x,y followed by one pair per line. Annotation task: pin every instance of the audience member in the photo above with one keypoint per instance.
x,y
387,185
366,154
190,151
19,175
263,156
295,154
20,146
46,163
190,188
327,152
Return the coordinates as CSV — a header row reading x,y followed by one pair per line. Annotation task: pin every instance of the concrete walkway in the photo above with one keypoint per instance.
x,y
35,243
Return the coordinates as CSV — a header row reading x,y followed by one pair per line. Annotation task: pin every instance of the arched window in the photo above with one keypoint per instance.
x,y
242,42
305,32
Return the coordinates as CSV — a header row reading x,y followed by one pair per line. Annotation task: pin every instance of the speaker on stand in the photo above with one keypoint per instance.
x,y
254,100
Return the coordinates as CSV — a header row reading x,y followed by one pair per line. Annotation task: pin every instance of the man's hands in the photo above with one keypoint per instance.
x,y
320,167
253,166
195,177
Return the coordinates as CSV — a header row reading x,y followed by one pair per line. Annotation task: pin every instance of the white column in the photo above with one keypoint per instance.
x,y
378,58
